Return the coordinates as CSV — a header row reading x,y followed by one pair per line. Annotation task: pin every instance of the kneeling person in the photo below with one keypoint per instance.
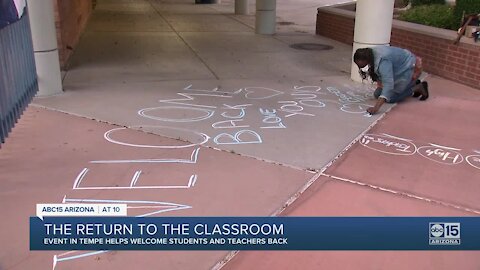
x,y
396,72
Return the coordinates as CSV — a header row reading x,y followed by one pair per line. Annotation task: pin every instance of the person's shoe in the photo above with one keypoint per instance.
x,y
417,93
425,92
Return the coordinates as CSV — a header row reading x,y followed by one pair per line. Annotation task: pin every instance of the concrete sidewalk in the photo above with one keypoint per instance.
x,y
251,123
252,94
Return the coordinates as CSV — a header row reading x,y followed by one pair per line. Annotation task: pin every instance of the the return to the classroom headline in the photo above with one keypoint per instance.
x,y
106,227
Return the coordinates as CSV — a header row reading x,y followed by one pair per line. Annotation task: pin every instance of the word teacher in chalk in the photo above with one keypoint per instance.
x,y
396,72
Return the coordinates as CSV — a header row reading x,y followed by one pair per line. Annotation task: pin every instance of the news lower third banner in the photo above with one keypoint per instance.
x,y
255,233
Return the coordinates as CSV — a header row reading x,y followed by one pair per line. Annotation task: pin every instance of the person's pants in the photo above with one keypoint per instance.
x,y
397,97
403,88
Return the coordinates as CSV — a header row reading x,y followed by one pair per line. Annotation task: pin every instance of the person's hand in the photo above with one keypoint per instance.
x,y
372,110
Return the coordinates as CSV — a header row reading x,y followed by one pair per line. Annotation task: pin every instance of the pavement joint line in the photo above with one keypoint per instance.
x,y
184,41
133,82
277,212
403,194
128,31
148,81
108,123
297,195
75,114
234,17
352,143
174,138
215,32
225,260
263,160
292,199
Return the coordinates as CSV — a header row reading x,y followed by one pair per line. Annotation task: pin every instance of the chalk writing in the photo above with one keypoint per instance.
x,y
248,137
151,207
388,144
207,113
229,124
474,161
241,114
359,97
133,185
354,108
79,178
236,118
342,97
308,89
270,117
204,138
303,101
292,108
261,93
135,178
192,160
307,96
441,154
188,97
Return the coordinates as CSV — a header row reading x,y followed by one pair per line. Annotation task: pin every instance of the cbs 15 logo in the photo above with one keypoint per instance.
x,y
444,233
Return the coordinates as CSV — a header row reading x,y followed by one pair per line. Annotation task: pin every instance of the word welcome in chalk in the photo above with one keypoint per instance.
x,y
143,207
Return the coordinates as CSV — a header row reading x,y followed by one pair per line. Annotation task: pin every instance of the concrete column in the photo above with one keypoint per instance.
x,y
373,26
44,35
265,18
241,7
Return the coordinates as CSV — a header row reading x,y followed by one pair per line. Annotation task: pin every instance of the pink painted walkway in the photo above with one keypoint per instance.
x,y
329,197
42,162
440,183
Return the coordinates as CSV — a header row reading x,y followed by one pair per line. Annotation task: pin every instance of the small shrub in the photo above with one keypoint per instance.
x,y
416,3
401,3
440,16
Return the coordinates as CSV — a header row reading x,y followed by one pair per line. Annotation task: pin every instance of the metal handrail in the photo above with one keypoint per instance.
x,y
18,76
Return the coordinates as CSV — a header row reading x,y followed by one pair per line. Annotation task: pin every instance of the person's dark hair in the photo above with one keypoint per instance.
x,y
366,54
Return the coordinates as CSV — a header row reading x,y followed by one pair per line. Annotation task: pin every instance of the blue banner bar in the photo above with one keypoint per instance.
x,y
255,233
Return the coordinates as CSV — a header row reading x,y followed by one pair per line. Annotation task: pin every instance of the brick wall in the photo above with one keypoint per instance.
x,y
71,17
460,63
335,26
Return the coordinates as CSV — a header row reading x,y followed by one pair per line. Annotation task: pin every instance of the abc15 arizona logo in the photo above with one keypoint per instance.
x,y
444,233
